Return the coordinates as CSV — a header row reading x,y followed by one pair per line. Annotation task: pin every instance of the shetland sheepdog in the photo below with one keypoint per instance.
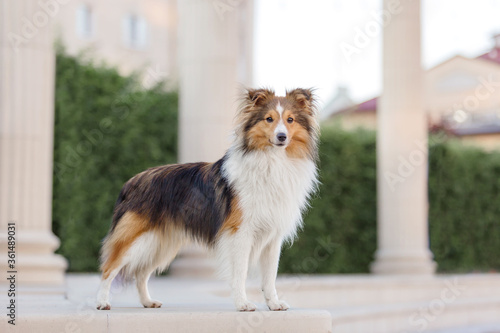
x,y
243,207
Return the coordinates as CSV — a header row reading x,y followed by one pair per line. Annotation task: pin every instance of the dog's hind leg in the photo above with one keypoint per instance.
x,y
116,255
103,294
142,279
162,248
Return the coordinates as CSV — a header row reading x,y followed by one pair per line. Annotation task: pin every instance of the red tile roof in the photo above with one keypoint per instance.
x,y
369,105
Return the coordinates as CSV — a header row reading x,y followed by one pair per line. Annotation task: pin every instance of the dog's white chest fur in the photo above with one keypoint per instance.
x,y
272,190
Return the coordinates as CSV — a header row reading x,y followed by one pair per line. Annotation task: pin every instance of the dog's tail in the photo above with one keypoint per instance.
x,y
120,209
127,229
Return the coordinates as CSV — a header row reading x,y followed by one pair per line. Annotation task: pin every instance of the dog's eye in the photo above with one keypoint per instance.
x,y
269,119
290,120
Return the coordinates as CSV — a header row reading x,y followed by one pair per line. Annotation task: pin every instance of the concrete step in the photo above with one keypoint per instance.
x,y
171,318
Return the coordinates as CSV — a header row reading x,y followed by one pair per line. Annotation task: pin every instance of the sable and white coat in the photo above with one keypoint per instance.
x,y
243,206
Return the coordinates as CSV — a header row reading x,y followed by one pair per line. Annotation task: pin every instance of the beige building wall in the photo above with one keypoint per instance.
x,y
471,85
103,29
488,142
354,120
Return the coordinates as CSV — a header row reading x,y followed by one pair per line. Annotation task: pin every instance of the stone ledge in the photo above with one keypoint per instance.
x,y
170,319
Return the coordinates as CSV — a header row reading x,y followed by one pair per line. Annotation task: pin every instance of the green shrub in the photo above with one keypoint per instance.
x,y
107,129
464,214
339,234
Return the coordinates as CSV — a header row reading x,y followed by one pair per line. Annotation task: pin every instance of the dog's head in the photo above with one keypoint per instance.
x,y
269,122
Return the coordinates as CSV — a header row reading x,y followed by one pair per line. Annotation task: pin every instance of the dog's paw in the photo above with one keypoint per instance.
x,y
103,306
246,306
152,304
278,305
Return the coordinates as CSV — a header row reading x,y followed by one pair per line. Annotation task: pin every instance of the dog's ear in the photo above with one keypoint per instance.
x,y
304,98
258,97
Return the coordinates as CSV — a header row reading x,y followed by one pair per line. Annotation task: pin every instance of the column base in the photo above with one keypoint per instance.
x,y
35,261
193,261
401,265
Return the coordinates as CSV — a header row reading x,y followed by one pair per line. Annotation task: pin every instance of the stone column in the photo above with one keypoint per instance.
x,y
215,58
208,77
26,142
402,163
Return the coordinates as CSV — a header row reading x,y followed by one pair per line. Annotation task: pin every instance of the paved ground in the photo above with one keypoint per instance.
x,y
196,305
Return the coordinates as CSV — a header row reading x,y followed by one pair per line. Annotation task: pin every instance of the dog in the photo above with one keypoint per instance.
x,y
243,207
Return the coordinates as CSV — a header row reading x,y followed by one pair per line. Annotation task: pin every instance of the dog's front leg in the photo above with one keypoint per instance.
x,y
269,267
239,270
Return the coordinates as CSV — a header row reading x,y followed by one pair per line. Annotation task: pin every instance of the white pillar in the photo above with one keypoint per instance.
x,y
403,241
208,77
215,58
26,142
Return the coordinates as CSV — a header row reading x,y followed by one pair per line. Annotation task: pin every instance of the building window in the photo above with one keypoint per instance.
x,y
134,31
84,21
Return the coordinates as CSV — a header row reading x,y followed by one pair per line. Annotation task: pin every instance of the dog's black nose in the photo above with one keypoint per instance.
x,y
281,137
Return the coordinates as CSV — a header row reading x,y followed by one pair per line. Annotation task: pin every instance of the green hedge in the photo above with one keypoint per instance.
x,y
464,214
340,231
107,129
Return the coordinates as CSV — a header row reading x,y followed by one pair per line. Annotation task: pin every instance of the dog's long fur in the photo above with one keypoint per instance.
x,y
243,206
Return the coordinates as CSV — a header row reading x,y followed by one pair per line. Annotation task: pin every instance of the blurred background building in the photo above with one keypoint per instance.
x,y
460,98
133,35
140,35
